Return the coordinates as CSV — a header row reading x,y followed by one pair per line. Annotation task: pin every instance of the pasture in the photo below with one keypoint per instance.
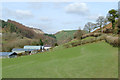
x,y
95,60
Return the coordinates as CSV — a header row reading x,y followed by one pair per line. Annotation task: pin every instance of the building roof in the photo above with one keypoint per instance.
x,y
47,45
32,47
22,49
17,49
29,49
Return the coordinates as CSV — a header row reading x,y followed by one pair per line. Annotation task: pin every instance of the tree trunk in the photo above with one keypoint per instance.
x,y
113,26
100,29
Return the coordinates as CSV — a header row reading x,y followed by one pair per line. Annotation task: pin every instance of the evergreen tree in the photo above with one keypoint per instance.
x,y
112,15
41,42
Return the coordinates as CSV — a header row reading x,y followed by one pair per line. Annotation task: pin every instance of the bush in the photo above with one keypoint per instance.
x,y
56,44
108,31
91,34
96,34
20,54
102,37
88,41
76,43
113,40
67,46
78,34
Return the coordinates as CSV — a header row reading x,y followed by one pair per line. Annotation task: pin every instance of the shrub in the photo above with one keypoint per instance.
x,y
102,37
76,43
67,46
108,31
20,54
112,40
91,34
78,34
56,44
96,34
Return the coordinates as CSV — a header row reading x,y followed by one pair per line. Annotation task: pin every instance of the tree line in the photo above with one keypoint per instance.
x,y
102,21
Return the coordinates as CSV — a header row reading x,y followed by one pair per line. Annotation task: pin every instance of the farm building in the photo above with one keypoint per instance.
x,y
47,47
33,47
12,55
24,51
31,51
18,50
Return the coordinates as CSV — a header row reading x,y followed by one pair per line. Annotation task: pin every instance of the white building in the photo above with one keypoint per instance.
x,y
33,47
18,50
47,47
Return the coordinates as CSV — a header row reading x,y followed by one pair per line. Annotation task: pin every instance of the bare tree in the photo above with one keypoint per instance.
x,y
105,21
100,22
89,27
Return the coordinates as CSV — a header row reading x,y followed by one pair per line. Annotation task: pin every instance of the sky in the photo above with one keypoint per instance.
x,y
52,17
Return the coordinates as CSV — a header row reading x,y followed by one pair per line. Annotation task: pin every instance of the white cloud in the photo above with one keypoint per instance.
x,y
17,14
23,12
77,8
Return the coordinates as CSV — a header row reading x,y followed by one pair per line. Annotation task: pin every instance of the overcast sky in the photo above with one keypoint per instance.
x,y
52,17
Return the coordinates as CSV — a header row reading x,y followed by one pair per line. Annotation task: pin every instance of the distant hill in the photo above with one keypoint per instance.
x,y
65,36
13,26
15,34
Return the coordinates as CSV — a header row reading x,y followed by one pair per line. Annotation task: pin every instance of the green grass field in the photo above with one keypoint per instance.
x,y
95,60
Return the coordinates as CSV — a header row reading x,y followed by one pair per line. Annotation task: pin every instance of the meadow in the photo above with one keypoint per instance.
x,y
93,60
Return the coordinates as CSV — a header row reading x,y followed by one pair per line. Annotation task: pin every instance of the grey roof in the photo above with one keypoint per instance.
x,y
22,49
47,45
17,49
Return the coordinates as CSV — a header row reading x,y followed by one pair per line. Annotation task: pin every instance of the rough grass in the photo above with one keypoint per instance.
x,y
88,38
95,60
64,35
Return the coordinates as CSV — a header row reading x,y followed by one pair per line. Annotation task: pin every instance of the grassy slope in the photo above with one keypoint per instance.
x,y
63,35
95,60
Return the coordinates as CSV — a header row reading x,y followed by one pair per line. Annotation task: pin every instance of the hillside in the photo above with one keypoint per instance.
x,y
16,35
13,26
65,36
95,60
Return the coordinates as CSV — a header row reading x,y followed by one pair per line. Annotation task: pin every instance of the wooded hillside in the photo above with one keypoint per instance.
x,y
16,35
